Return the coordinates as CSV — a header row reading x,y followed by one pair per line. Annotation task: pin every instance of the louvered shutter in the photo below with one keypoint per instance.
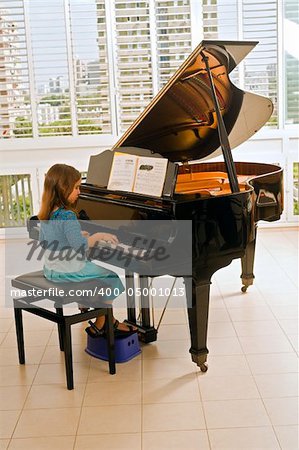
x,y
173,25
260,66
15,108
257,21
291,29
50,67
90,66
133,60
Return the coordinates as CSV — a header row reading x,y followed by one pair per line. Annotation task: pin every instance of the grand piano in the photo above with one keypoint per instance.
x,y
199,114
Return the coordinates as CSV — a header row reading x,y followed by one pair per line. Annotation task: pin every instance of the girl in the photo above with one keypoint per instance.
x,y
65,245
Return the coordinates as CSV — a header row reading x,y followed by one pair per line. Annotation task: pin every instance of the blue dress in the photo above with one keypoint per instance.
x,y
65,253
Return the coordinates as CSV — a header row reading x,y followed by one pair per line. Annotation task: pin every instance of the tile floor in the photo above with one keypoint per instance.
x,y
248,399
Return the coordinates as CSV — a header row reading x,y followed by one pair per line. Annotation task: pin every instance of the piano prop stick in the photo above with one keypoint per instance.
x,y
198,115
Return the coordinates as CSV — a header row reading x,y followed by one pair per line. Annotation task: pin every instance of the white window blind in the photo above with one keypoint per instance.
x,y
173,24
90,66
15,108
133,59
50,67
291,56
221,19
54,70
260,66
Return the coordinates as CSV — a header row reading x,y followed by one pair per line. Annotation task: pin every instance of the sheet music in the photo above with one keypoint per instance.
x,y
150,176
122,175
139,174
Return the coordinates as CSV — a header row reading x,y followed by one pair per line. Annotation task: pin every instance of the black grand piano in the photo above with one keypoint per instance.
x,y
199,114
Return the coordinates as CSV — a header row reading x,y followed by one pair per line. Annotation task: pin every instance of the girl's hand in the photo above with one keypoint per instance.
x,y
85,234
107,237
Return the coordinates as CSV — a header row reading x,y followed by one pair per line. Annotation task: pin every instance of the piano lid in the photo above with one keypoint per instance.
x,y
180,122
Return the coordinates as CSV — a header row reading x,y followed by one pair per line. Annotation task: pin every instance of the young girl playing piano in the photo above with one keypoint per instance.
x,y
65,244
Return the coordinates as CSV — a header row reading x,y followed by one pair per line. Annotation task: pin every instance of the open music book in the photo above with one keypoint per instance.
x,y
139,174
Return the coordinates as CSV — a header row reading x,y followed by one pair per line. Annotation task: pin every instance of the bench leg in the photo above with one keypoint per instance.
x,y
60,329
20,334
110,341
68,357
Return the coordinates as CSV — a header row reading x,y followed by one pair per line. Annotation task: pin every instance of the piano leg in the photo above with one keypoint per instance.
x,y
198,295
130,293
147,332
247,263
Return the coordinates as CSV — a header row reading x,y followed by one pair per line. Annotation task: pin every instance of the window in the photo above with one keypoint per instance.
x,y
64,72
296,188
291,29
259,23
15,200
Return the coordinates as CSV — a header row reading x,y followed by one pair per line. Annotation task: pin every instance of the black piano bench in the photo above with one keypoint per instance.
x,y
34,282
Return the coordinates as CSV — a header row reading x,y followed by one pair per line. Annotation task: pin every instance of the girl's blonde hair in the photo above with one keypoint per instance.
x,y
59,184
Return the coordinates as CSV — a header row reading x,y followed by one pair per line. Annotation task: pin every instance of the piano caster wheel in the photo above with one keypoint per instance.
x,y
203,367
244,288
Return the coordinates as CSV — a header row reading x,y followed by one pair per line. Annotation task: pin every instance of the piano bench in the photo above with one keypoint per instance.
x,y
36,286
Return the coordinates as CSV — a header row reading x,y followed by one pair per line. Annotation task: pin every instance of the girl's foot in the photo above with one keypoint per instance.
x,y
97,329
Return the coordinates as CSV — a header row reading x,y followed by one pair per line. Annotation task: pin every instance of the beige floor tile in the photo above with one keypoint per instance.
x,y
226,364
54,396
250,301
174,368
4,444
55,373
255,313
173,316
20,375
289,297
79,337
269,344
33,323
258,328
285,312
289,326
277,385
6,311
166,349
129,371
294,340
112,393
288,437
282,411
221,329
218,315
225,346
216,302
45,422
123,441
2,337
273,363
173,332
9,356
13,397
244,439
171,391
53,354
43,443
228,387
180,416
31,339
235,413
8,421
6,324
168,440
110,419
